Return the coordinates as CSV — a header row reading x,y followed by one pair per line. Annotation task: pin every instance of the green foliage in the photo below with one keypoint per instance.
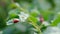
x,y
3,16
56,21
14,13
11,9
46,14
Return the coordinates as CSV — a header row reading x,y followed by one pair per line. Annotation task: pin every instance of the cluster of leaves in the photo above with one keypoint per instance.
x,y
35,8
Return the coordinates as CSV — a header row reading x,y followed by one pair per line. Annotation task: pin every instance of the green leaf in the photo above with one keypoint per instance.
x,y
35,14
32,18
12,6
46,14
14,13
56,21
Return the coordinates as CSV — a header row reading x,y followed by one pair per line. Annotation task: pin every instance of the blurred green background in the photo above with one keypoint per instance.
x,y
50,9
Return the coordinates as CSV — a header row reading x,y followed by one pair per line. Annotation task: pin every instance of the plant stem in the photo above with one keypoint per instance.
x,y
36,26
